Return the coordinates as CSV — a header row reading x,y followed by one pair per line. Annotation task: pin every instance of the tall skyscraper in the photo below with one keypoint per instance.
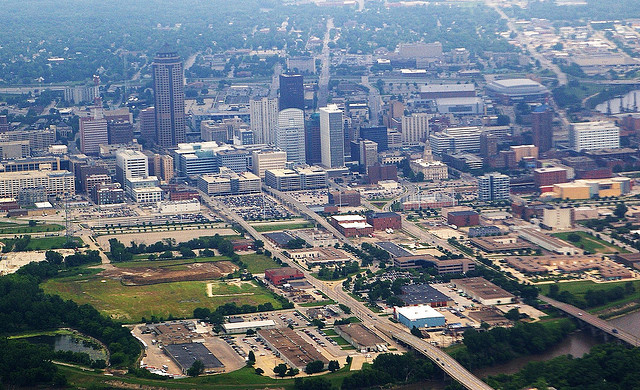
x,y
415,128
290,134
542,128
312,140
263,116
291,91
168,80
331,136
147,119
93,132
493,186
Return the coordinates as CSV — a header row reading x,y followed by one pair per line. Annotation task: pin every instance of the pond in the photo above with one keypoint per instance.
x,y
67,342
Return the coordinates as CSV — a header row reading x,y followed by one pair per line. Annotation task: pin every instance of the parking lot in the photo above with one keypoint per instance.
x,y
313,197
256,207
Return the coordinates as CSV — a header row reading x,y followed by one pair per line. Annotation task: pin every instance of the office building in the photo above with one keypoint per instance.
x,y
131,164
38,140
542,128
263,116
147,119
120,132
93,133
296,179
291,91
415,128
376,134
368,153
10,150
4,124
269,159
228,182
108,193
168,87
460,106
456,140
493,186
166,168
211,130
290,134
312,140
594,135
57,183
332,136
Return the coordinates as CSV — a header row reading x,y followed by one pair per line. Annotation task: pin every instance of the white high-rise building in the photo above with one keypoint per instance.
x,y
415,128
493,186
290,134
594,135
131,164
263,115
456,140
93,132
332,136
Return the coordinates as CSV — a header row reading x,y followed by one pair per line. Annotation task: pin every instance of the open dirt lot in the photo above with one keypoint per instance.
x,y
191,272
12,261
153,237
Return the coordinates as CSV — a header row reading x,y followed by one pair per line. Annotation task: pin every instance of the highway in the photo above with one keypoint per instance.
x,y
591,320
323,81
335,292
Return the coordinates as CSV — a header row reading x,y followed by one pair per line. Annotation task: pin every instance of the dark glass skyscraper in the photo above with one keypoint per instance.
x,y
542,128
169,97
312,139
376,134
291,91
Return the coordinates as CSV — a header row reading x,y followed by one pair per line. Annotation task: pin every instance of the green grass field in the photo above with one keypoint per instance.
x,y
23,228
579,288
244,378
591,243
282,226
256,264
168,263
47,243
130,303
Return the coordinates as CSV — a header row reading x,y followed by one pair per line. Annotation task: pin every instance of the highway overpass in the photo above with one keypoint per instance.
x,y
592,320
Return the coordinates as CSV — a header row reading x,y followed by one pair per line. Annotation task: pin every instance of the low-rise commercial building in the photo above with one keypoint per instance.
x,y
244,326
228,182
361,337
451,266
424,294
483,291
422,316
278,276
344,198
549,243
296,179
463,218
384,220
293,349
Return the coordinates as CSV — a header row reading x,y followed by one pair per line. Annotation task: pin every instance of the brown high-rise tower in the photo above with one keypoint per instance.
x,y
542,128
169,97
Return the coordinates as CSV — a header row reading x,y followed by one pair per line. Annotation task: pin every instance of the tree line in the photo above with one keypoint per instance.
x,y
25,307
592,298
500,345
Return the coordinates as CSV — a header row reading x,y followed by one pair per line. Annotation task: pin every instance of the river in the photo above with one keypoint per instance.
x,y
629,322
628,101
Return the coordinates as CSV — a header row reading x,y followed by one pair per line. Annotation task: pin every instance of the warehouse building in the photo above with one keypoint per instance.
x,y
184,355
483,291
292,348
423,316
423,294
361,337
244,326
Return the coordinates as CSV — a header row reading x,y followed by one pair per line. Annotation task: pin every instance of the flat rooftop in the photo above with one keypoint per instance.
x,y
292,346
186,354
394,249
361,334
421,294
413,313
248,324
280,238
482,288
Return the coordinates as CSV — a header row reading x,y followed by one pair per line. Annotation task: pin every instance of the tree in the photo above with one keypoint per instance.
x,y
314,367
573,237
333,366
259,371
620,210
513,314
196,368
53,257
416,332
292,371
32,223
280,370
251,359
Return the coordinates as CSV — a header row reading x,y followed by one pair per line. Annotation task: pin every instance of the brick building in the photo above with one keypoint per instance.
x,y
344,198
384,221
463,218
279,276
549,176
